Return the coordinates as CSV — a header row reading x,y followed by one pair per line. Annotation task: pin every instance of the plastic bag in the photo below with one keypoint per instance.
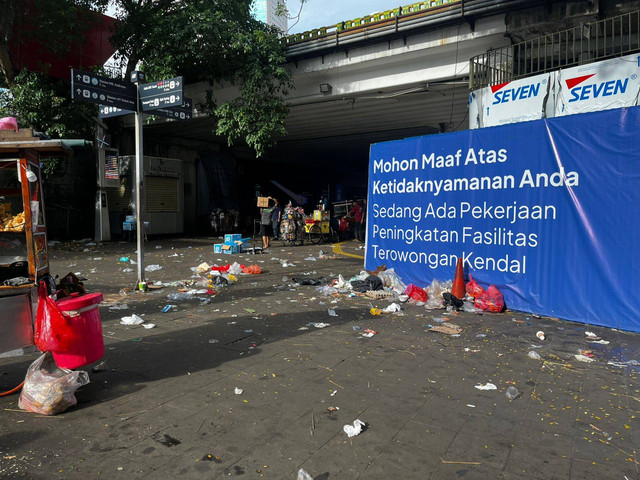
x,y
417,293
391,279
252,269
435,291
53,331
235,269
49,389
490,300
473,288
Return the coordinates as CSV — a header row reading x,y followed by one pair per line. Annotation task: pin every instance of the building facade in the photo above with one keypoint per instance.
x,y
267,11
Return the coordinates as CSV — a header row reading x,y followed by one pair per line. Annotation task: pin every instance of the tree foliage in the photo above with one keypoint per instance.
x,y
212,41
209,41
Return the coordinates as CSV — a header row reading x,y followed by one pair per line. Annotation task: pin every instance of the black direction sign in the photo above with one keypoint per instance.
x,y
161,94
108,112
110,92
183,112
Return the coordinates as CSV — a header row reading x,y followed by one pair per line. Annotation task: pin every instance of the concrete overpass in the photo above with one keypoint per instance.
x,y
400,73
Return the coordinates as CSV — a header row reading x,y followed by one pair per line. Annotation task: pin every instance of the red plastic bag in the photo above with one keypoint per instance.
x,y
53,331
224,268
490,300
473,289
252,269
416,293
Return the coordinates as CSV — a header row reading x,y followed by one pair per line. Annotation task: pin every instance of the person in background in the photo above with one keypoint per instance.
x,y
265,224
276,217
363,229
356,210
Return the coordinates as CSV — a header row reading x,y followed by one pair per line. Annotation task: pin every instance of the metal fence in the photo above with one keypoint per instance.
x,y
586,43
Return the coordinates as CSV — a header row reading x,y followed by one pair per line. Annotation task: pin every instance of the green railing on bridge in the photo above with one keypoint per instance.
x,y
372,21
589,42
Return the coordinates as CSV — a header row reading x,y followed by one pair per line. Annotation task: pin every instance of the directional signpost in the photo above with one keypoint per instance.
x,y
183,112
115,97
162,94
111,92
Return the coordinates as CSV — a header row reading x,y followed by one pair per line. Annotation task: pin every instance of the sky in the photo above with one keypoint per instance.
x,y
322,13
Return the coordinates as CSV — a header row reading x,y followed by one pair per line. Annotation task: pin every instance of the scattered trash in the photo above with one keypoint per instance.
x,y
540,335
332,312
375,311
248,330
167,308
250,310
534,355
214,340
355,429
124,259
584,358
490,300
302,475
149,326
132,320
238,391
470,406
333,394
487,386
333,409
318,324
203,268
356,327
451,300
49,389
393,308
152,268
481,335
512,393
601,342
369,333
127,270
628,363
101,367
448,329
591,334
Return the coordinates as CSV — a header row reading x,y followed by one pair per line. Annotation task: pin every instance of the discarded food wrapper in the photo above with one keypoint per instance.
x,y
152,268
393,308
167,308
487,386
369,333
601,342
375,311
584,358
534,355
238,391
332,312
149,326
540,335
448,329
132,320
355,429
333,409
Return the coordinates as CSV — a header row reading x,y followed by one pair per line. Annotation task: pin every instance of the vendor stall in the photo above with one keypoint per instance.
x,y
23,235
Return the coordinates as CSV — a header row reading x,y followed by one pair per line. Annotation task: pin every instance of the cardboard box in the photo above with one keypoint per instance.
x,y
217,248
232,237
263,202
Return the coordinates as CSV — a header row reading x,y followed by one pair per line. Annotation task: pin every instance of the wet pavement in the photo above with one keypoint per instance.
x,y
165,406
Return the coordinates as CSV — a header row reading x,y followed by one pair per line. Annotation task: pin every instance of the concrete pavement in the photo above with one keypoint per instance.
x,y
165,406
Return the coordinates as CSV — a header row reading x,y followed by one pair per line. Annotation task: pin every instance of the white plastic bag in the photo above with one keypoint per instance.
x,y
49,389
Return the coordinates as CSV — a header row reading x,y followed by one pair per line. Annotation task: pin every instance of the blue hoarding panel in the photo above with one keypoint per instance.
x,y
546,210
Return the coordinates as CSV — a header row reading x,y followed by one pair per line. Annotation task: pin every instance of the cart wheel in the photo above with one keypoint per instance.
x,y
315,234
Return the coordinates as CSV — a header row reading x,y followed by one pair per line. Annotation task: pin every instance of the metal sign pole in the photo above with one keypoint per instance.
x,y
137,78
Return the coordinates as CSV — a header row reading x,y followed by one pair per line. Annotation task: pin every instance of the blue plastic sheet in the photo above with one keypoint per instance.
x,y
546,210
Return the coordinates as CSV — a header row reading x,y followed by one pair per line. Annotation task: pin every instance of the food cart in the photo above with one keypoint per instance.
x,y
318,226
24,260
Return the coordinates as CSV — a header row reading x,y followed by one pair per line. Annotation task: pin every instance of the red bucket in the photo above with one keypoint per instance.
x,y
83,314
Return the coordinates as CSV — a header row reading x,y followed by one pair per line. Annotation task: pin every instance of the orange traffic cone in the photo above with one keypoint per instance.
x,y
458,281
